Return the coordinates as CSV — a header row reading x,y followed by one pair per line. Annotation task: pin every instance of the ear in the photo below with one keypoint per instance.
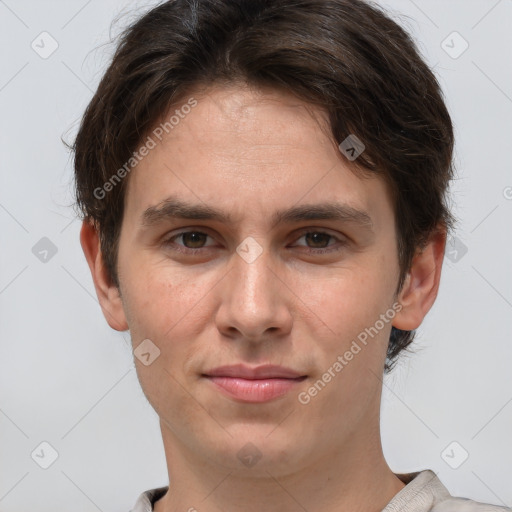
x,y
108,294
421,285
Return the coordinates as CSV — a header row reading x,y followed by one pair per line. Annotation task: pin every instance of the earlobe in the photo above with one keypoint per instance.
x,y
421,284
107,292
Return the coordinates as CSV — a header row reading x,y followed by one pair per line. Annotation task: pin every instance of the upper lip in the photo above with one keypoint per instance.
x,y
268,371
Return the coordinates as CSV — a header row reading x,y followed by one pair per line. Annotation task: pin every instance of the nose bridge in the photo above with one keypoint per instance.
x,y
252,273
253,303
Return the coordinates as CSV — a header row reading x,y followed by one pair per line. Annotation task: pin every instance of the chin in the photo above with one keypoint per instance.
x,y
257,451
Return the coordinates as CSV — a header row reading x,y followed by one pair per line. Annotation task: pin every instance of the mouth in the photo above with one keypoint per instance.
x,y
259,384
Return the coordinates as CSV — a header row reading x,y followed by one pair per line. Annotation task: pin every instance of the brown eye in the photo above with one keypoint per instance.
x,y
318,238
193,239
191,242
317,242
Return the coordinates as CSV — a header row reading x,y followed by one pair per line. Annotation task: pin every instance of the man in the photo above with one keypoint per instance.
x,y
263,194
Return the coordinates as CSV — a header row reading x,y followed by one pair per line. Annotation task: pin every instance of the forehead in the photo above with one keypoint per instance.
x,y
246,149
239,124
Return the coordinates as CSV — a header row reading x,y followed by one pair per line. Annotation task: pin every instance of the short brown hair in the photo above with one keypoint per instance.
x,y
346,57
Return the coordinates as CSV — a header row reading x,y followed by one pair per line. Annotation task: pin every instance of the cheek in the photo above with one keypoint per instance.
x,y
165,308
349,301
157,303
348,306
167,305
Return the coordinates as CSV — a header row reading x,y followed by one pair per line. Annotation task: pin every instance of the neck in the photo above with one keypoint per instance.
x,y
353,476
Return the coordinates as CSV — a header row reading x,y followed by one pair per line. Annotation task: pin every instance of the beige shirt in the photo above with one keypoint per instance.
x,y
423,492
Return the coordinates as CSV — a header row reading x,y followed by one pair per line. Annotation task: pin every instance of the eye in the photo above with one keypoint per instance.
x,y
193,241
320,241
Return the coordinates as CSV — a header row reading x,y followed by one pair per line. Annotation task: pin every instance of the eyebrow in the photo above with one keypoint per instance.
x,y
175,208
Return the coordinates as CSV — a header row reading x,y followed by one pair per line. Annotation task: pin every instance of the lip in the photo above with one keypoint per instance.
x,y
257,385
267,371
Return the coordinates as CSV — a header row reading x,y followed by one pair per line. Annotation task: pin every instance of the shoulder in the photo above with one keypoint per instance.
x,y
424,492
146,500
455,504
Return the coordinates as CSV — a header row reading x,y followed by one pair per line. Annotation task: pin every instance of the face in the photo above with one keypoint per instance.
x,y
247,240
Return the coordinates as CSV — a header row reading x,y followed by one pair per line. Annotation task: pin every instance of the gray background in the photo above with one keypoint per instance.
x,y
67,379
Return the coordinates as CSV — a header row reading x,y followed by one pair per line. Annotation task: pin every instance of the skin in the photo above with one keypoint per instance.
x,y
251,152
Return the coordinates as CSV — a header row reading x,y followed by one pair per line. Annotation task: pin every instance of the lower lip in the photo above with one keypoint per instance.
x,y
254,390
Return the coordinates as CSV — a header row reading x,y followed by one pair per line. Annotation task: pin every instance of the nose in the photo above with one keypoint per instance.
x,y
255,298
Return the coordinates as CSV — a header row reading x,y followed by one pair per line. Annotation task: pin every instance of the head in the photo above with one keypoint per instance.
x,y
239,108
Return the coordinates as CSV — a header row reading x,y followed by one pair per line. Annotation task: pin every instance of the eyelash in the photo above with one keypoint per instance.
x,y
185,250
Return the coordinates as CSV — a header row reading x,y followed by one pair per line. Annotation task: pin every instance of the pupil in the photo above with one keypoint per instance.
x,y
193,235
315,237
